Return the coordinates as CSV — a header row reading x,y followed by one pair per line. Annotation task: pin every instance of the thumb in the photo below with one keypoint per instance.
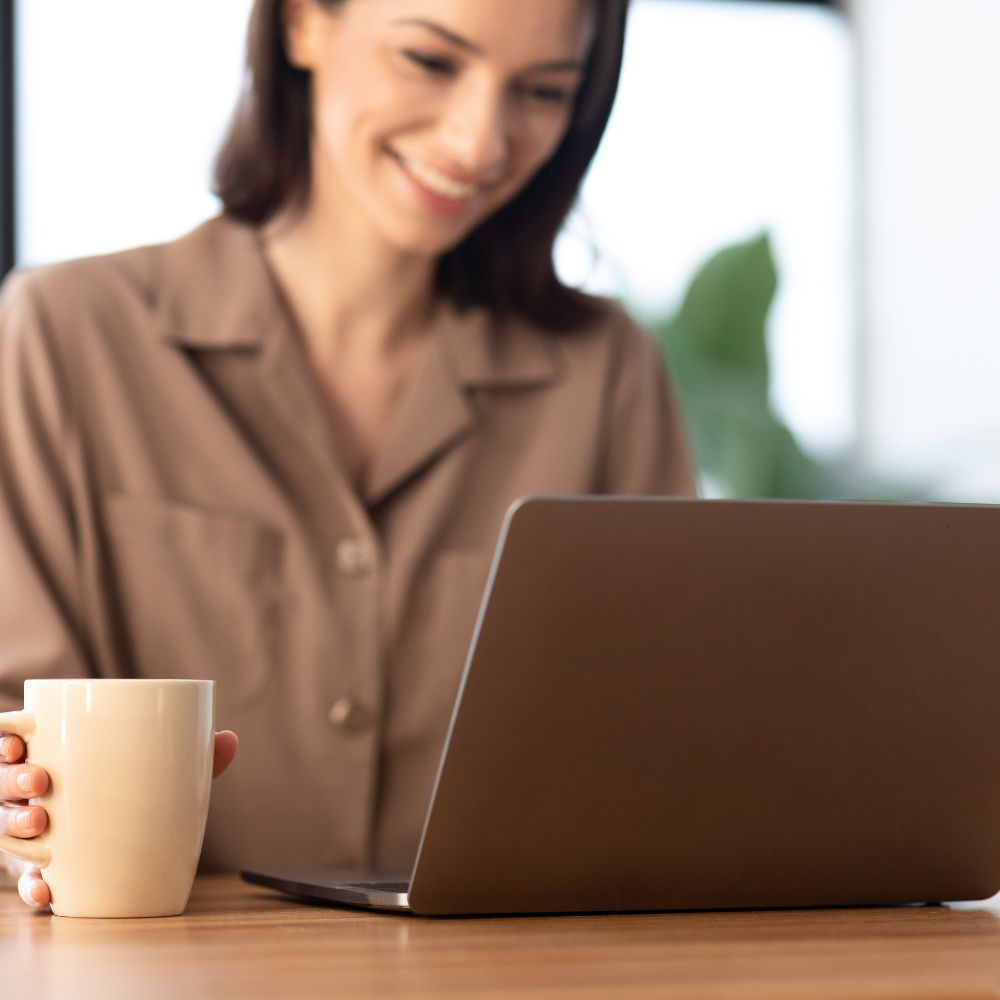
x,y
32,889
226,743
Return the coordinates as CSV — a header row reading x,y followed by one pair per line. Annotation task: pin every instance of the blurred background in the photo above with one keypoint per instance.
x,y
799,199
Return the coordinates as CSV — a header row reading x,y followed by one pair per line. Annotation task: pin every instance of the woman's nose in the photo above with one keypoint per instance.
x,y
474,130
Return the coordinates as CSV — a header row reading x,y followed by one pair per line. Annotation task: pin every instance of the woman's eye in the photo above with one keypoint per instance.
x,y
547,94
432,64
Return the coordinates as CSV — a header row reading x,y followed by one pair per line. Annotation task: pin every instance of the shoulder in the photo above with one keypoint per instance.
x,y
617,351
590,360
612,341
54,302
114,292
628,342
611,329
491,349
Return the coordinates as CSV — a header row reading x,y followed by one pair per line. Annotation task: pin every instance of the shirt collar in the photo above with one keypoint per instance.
x,y
219,293
217,289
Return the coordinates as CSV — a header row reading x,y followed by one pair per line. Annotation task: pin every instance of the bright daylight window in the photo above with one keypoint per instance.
x,y
734,118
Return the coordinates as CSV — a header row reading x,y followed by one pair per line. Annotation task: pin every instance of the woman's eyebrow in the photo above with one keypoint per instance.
x,y
463,43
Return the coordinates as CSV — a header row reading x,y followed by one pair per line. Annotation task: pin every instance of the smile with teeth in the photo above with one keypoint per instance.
x,y
438,183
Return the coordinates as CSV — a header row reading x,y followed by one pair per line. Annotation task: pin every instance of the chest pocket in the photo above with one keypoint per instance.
x,y
197,593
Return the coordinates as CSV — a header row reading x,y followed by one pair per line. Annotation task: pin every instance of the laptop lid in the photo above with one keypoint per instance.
x,y
687,704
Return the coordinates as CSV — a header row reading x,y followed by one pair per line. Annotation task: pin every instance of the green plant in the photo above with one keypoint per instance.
x,y
716,347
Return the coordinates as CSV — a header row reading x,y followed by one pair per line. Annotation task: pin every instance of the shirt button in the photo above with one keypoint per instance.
x,y
354,556
347,714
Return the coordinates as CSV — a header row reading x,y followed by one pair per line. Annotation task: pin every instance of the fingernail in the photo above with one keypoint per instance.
x,y
35,892
5,746
26,782
26,819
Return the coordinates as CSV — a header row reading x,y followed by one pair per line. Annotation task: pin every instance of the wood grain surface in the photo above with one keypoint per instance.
x,y
236,940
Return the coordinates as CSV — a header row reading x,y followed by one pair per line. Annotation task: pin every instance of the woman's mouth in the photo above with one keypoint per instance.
x,y
445,191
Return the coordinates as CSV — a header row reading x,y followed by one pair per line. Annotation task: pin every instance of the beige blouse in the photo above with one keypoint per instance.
x,y
172,505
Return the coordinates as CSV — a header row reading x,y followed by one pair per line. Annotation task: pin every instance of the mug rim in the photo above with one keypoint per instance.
x,y
62,681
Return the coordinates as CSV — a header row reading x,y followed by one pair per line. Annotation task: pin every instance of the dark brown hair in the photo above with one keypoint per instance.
x,y
505,264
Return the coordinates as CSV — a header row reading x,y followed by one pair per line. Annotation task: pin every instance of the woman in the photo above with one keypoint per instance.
x,y
277,451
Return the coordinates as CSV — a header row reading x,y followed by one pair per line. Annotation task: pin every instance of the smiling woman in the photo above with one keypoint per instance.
x,y
277,451
542,90
419,130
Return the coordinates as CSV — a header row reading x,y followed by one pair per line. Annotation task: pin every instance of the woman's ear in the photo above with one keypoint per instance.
x,y
302,21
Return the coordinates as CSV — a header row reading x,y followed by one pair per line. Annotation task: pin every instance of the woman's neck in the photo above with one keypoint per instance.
x,y
349,295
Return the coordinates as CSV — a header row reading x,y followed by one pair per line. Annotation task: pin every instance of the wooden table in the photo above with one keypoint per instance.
x,y
239,941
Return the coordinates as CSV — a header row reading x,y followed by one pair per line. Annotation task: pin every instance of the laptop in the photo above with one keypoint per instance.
x,y
688,704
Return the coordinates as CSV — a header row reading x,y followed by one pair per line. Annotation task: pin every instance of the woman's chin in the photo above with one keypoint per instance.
x,y
428,243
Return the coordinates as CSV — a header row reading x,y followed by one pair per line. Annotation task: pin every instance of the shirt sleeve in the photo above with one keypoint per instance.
x,y
40,617
647,451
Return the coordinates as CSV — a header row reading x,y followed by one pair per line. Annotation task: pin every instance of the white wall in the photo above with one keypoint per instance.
x,y
930,382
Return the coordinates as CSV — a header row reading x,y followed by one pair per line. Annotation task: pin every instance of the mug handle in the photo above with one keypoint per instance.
x,y
22,724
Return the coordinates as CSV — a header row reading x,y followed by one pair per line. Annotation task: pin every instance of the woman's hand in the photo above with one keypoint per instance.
x,y
20,781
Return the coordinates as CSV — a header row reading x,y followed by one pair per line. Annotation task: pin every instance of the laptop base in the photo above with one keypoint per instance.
x,y
368,892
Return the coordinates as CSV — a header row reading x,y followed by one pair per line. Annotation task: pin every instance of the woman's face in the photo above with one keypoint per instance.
x,y
429,115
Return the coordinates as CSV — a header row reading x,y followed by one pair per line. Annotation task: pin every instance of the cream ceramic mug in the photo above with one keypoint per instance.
x,y
130,772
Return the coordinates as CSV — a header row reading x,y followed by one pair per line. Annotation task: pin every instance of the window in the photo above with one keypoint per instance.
x,y
733,118
120,107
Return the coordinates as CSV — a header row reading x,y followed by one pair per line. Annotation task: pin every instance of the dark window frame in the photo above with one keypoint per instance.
x,y
8,206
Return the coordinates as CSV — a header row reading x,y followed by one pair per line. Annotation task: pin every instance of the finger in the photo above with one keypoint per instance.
x,y
23,821
226,744
22,781
11,749
32,889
